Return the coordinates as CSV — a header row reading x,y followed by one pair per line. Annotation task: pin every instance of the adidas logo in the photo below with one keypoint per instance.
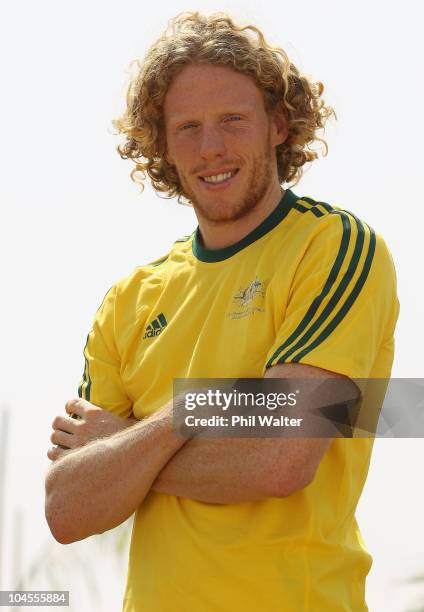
x,y
156,326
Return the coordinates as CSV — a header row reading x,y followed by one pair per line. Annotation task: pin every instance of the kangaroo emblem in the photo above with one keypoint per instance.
x,y
245,296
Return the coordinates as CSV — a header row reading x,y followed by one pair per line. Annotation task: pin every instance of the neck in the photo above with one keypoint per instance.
x,y
220,234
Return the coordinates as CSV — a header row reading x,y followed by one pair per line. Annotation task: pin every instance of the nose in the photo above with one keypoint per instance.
x,y
212,143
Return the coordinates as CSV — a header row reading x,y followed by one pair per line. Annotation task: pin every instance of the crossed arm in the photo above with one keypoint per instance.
x,y
235,470
83,484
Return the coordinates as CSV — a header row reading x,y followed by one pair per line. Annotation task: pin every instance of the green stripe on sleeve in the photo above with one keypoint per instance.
x,y
85,386
303,209
312,202
347,305
84,390
316,303
335,299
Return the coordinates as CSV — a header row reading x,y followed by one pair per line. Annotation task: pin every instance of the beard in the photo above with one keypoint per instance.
x,y
258,183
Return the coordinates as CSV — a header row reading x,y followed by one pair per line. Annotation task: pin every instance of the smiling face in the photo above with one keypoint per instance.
x,y
221,141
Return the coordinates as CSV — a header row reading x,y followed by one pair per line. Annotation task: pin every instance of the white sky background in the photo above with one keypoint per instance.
x,y
72,222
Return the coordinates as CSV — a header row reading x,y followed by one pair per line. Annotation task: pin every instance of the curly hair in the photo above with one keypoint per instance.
x,y
192,38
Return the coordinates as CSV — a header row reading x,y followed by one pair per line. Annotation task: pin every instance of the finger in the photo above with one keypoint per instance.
x,y
54,453
76,406
64,439
51,454
65,424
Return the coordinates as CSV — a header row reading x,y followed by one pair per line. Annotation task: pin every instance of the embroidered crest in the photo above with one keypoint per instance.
x,y
249,299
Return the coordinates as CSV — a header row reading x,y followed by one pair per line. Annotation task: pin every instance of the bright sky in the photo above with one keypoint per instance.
x,y
73,222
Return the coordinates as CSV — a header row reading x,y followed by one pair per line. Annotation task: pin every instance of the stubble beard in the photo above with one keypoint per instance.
x,y
259,182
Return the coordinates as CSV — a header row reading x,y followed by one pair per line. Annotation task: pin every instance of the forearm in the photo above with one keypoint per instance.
x,y
98,486
224,470
234,470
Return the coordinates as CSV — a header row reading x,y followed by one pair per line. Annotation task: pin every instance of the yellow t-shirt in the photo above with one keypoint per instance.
x,y
312,284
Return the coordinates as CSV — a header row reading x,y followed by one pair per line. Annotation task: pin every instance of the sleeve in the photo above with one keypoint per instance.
x,y
342,307
101,382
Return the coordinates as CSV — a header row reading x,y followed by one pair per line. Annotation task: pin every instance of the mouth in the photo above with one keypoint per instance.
x,y
219,181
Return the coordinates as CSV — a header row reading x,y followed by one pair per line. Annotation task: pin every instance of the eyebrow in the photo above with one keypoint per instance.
x,y
183,118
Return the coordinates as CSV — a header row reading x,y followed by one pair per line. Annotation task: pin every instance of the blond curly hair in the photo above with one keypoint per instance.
x,y
192,38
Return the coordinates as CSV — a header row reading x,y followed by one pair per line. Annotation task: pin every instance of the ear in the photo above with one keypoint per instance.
x,y
279,130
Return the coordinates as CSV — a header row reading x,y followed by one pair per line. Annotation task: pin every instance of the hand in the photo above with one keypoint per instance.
x,y
91,423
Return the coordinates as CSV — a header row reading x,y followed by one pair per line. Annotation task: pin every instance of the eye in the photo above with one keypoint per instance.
x,y
234,118
186,126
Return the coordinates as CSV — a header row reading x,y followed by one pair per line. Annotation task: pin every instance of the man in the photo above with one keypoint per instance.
x,y
269,285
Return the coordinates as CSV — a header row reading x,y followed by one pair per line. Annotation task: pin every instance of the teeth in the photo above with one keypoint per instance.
x,y
218,178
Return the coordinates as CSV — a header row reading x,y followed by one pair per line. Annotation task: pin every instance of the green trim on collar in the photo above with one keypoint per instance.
x,y
278,214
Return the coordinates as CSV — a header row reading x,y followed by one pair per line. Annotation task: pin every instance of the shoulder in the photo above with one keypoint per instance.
x,y
341,255
333,231
151,273
326,220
